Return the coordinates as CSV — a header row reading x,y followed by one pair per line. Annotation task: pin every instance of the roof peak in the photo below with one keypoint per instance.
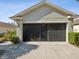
x,y
44,1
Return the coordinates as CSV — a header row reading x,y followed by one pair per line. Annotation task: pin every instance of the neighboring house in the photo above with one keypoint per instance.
x,y
4,27
76,25
44,22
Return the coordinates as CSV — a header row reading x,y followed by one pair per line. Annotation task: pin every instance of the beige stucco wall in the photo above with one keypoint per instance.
x,y
19,29
76,28
4,29
70,28
41,15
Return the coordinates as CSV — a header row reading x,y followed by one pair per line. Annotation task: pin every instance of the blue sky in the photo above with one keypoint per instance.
x,y
11,7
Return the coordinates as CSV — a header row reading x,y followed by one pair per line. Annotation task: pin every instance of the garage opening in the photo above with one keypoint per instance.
x,y
57,32
44,32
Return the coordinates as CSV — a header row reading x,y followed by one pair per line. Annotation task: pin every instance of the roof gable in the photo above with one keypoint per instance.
x,y
55,7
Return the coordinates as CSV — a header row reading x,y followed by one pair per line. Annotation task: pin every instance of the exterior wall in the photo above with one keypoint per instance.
x,y
5,29
76,28
70,29
42,15
19,30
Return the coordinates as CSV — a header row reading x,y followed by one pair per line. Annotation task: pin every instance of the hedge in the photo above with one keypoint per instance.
x,y
74,38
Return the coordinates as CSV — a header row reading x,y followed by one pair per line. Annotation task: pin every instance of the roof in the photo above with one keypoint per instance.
x,y
76,21
2,24
66,12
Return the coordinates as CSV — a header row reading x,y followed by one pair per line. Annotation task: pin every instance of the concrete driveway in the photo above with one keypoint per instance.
x,y
40,50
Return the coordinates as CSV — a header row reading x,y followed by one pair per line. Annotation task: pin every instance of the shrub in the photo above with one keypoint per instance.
x,y
77,43
7,36
13,33
74,38
2,40
14,39
1,35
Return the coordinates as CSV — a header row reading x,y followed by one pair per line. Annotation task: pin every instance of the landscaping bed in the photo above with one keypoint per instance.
x,y
9,36
74,38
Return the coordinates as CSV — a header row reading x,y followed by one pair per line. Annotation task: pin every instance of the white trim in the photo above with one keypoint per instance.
x,y
67,32
48,33
22,32
45,22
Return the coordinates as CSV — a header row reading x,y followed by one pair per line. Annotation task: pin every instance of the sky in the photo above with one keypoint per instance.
x,y
11,7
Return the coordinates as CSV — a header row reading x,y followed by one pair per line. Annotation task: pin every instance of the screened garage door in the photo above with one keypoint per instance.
x,y
57,32
44,32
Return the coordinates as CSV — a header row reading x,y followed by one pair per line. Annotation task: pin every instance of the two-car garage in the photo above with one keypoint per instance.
x,y
44,32
44,22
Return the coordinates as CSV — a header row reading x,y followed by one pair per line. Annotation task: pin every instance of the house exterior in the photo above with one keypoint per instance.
x,y
4,27
44,22
76,25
